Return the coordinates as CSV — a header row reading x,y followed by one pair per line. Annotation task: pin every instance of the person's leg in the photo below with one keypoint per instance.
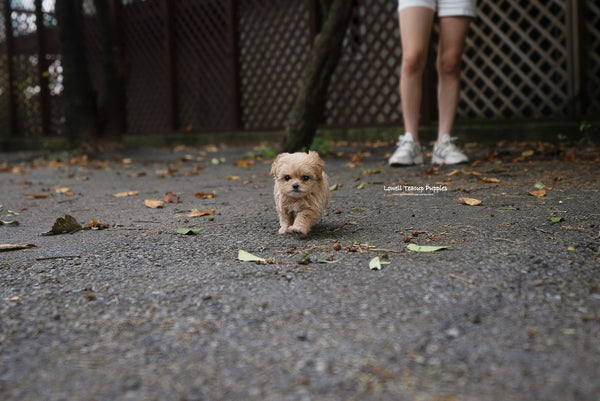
x,y
453,31
415,32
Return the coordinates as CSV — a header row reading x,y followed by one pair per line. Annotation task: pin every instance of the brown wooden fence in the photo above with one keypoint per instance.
x,y
216,65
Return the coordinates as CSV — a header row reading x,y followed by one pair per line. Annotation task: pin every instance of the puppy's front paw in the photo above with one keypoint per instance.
x,y
284,229
298,229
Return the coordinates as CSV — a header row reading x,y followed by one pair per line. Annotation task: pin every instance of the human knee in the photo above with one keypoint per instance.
x,y
449,66
413,62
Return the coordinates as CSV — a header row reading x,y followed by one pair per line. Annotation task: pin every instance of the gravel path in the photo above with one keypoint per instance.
x,y
136,311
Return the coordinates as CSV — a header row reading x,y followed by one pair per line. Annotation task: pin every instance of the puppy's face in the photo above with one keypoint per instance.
x,y
298,174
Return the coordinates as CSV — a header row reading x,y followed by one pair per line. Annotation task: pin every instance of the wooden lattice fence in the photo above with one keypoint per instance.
x,y
214,65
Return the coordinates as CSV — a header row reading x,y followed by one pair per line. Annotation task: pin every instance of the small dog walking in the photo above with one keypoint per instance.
x,y
301,190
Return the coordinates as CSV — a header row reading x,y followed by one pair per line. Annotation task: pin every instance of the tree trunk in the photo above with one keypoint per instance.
x,y
79,98
309,107
111,112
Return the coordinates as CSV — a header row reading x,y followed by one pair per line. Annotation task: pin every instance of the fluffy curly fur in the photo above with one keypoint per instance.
x,y
301,190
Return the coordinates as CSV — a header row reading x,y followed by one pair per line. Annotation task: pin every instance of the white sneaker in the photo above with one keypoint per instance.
x,y
446,152
408,152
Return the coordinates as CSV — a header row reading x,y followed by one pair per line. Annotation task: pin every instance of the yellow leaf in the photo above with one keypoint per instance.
x,y
527,153
61,189
470,201
233,177
153,203
126,193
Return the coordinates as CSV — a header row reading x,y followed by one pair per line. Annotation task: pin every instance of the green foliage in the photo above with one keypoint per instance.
x,y
320,144
260,153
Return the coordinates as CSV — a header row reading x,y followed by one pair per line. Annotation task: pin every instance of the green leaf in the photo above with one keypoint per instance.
x,y
425,248
361,186
248,257
188,231
556,219
4,211
327,261
333,187
540,185
375,263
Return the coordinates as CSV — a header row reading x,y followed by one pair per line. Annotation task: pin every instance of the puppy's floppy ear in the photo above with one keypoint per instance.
x,y
317,161
276,163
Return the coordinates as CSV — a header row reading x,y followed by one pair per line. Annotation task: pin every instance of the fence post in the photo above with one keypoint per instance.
x,y
576,56
171,94
315,17
236,109
12,105
42,68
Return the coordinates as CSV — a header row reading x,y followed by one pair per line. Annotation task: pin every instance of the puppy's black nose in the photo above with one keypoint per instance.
x,y
295,186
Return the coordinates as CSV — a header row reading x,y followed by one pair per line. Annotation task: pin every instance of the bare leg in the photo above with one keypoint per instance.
x,y
453,31
415,32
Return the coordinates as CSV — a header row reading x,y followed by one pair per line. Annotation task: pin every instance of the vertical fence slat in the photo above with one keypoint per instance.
x,y
12,109
42,69
236,111
576,51
171,92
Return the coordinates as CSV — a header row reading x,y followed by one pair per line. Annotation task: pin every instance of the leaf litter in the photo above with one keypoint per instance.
x,y
64,225
425,248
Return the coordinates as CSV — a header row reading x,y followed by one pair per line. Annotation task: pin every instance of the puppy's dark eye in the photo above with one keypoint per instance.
x,y
305,178
287,178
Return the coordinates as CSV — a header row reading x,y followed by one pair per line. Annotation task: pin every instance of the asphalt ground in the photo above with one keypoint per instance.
x,y
509,310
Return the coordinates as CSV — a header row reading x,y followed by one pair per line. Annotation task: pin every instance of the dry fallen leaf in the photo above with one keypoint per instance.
x,y
15,247
233,177
489,179
539,193
170,197
527,153
204,195
470,201
135,175
153,203
200,213
126,193
95,225
194,171
454,172
61,189
64,225
38,196
244,163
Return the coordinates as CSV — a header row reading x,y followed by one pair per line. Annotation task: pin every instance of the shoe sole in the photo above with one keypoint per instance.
x,y
435,160
419,160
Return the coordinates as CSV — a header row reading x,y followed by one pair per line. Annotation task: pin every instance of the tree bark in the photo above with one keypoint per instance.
x,y
79,97
112,100
309,108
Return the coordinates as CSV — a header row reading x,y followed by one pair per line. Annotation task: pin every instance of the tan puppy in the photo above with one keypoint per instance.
x,y
301,190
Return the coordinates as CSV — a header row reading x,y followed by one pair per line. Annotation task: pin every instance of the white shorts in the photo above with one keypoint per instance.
x,y
444,8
